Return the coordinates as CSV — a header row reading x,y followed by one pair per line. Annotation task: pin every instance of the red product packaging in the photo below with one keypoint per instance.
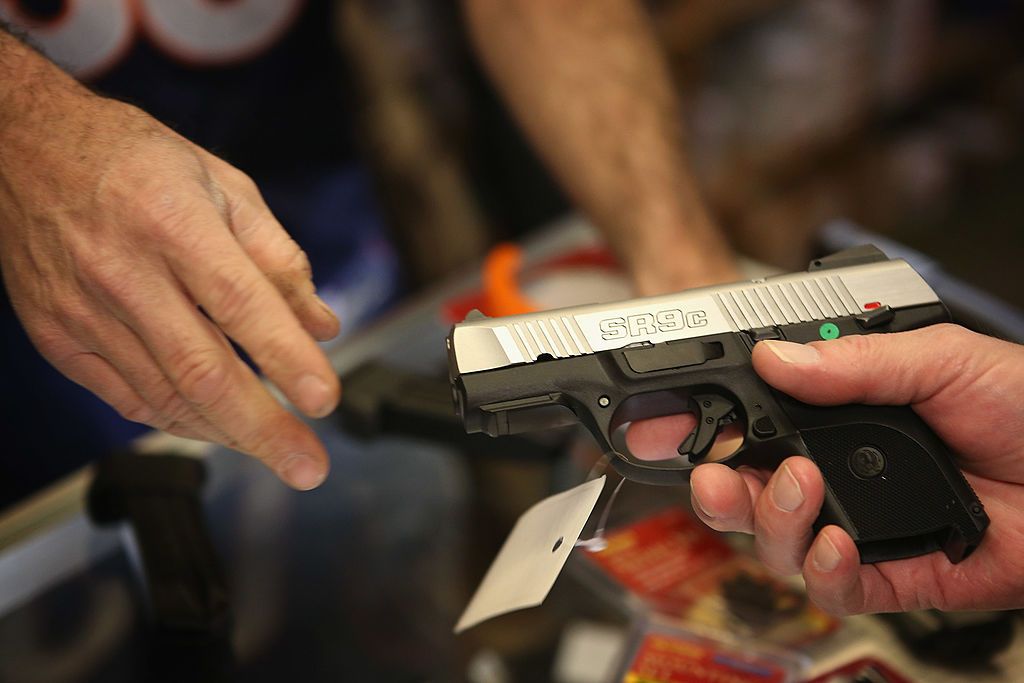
x,y
679,568
667,655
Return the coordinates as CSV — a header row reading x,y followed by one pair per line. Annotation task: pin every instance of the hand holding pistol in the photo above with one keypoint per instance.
x,y
890,482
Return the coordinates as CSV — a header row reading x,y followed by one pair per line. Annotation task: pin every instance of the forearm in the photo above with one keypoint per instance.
x,y
590,87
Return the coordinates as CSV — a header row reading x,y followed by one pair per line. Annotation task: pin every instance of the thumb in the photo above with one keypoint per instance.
x,y
896,369
882,369
960,382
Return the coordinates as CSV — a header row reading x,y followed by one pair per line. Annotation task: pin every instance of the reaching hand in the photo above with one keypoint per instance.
x,y
132,256
966,386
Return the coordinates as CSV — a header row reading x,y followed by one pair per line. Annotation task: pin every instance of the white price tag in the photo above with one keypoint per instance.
x,y
533,555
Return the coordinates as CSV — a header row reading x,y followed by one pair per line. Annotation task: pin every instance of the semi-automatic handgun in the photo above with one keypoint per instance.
x,y
890,482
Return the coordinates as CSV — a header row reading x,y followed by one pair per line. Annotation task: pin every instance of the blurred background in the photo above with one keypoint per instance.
x,y
372,130
905,117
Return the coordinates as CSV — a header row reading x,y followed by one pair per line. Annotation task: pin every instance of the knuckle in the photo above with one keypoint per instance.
x,y
73,315
137,411
948,332
178,411
202,379
172,217
172,406
917,595
231,295
217,195
280,257
831,606
957,345
828,598
51,339
105,276
860,345
158,197
274,352
778,559
239,192
297,262
255,437
240,181
253,440
214,432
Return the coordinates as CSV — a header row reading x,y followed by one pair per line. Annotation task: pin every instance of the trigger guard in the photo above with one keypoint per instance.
x,y
673,471
656,476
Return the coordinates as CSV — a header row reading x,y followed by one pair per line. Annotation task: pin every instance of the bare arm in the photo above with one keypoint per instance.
x,y
590,87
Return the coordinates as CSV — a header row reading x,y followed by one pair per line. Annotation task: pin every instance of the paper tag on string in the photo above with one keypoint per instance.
x,y
533,554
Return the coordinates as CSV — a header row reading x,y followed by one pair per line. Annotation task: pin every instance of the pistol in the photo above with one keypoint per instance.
x,y
890,482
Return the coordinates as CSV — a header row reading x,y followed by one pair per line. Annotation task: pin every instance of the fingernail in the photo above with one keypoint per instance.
x,y
791,352
315,396
825,556
700,506
786,493
302,472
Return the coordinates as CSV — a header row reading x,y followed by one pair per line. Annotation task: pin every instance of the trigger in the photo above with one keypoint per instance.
x,y
712,412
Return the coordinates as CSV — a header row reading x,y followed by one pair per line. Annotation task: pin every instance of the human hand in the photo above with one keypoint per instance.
x,y
964,385
132,256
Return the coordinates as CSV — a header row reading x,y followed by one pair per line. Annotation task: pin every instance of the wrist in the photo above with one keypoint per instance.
x,y
33,90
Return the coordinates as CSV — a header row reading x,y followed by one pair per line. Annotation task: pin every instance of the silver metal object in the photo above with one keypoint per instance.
x,y
486,343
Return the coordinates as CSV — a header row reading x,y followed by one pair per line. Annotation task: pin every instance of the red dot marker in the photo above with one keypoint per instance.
x,y
872,305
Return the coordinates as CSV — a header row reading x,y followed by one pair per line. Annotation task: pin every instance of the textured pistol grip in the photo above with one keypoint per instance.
x,y
894,488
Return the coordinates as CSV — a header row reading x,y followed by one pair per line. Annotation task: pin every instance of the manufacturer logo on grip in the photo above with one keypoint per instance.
x,y
647,324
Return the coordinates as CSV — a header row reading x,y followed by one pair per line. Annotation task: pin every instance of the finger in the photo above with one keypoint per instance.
x,y
158,405
234,401
658,438
838,582
723,498
97,374
832,573
274,252
93,372
785,513
240,300
755,481
207,375
121,379
168,411
204,371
